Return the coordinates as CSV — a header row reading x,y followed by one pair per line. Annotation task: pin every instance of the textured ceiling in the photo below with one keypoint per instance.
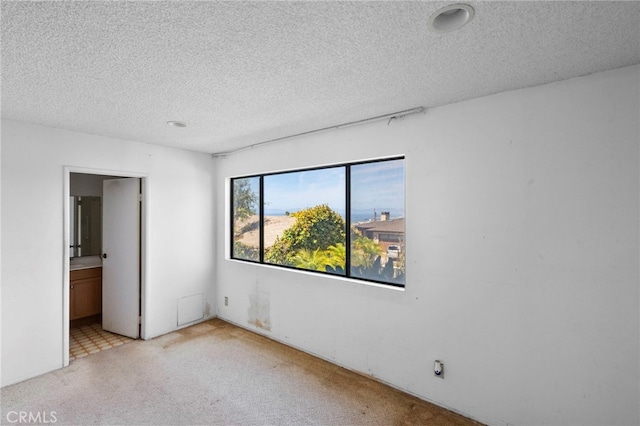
x,y
241,73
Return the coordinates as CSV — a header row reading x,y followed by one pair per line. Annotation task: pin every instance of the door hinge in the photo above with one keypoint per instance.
x,y
139,320
140,197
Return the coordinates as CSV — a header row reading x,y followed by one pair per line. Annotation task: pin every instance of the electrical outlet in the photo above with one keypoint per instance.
x,y
226,301
438,369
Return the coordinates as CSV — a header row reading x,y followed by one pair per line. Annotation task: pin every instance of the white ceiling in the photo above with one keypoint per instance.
x,y
240,73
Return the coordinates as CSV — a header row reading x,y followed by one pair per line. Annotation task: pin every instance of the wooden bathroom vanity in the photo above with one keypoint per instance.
x,y
85,292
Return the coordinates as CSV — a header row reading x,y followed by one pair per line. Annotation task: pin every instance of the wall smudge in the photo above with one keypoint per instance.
x,y
259,311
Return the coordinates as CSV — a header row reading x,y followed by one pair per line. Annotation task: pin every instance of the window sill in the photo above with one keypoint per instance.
x,y
319,274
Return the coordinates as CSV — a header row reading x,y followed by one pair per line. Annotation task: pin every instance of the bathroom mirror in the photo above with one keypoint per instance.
x,y
86,226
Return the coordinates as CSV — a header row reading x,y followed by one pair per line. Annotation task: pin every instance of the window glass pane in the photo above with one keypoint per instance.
x,y
246,219
377,221
304,223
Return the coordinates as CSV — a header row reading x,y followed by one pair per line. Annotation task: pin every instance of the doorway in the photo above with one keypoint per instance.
x,y
102,307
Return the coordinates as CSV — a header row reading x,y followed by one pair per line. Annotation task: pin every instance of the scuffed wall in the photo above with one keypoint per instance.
x,y
522,256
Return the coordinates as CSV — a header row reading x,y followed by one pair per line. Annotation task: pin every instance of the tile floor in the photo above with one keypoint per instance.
x,y
91,338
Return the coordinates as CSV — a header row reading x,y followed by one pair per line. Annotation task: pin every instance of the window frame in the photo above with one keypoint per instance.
x,y
347,219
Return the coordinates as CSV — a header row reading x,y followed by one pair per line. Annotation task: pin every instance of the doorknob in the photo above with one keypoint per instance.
x,y
104,255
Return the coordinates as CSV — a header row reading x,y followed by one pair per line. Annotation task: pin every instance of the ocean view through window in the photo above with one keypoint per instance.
x,y
345,220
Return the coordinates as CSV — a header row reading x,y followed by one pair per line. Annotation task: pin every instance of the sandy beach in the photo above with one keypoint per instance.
x,y
273,227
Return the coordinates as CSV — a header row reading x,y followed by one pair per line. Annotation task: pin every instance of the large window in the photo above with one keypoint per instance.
x,y
344,220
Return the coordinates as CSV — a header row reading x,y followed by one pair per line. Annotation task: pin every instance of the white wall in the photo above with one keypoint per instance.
x,y
522,251
180,225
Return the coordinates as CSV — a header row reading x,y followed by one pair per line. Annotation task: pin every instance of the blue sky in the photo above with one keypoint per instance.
x,y
377,186
299,190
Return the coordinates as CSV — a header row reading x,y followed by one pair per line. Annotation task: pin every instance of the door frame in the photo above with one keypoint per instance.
x,y
144,252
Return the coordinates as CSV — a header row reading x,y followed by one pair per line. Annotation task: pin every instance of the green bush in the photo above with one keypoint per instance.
x,y
243,251
315,228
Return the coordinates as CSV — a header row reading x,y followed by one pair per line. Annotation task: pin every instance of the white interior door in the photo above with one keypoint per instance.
x,y
121,256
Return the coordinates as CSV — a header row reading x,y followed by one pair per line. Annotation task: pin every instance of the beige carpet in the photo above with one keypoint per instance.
x,y
213,373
